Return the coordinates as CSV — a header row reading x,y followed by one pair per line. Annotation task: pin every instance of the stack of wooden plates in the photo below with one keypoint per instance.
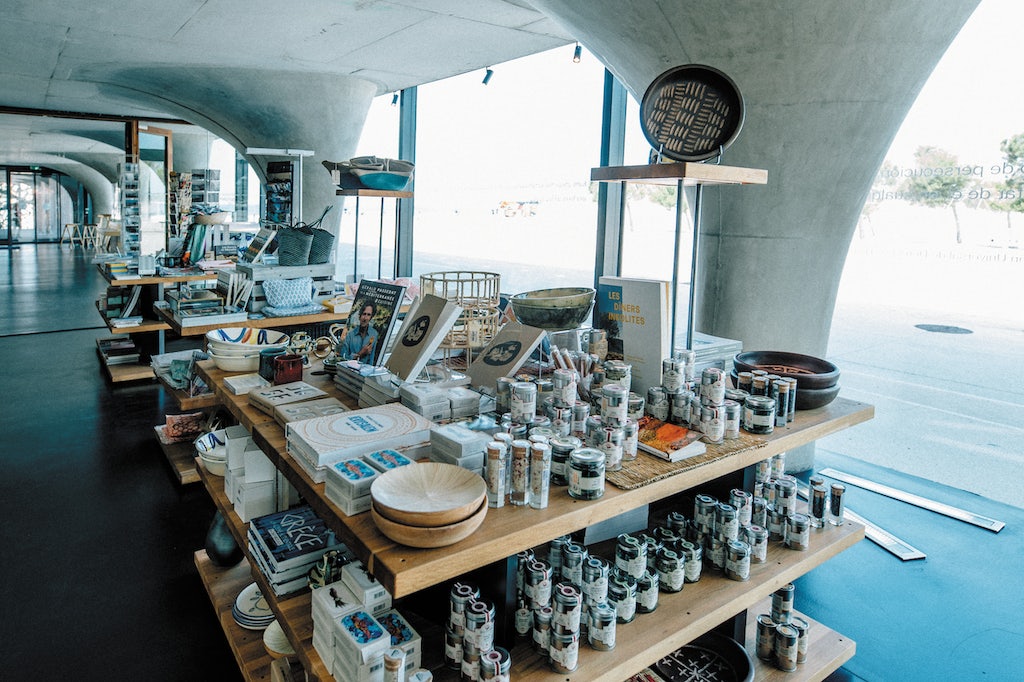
x,y
430,504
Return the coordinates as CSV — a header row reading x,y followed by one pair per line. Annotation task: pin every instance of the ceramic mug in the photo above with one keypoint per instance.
x,y
287,368
267,356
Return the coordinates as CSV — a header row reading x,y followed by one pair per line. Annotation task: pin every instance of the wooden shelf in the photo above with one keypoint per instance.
x,y
827,650
126,371
188,402
262,323
508,530
181,457
144,326
294,613
157,279
223,585
690,174
366,192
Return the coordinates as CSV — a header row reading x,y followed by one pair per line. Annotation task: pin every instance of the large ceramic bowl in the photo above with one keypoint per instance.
x,y
810,372
245,338
554,309
235,363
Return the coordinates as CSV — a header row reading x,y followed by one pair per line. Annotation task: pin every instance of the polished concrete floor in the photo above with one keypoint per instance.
x,y
97,582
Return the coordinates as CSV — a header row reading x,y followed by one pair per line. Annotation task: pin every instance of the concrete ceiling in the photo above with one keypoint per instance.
x,y
96,57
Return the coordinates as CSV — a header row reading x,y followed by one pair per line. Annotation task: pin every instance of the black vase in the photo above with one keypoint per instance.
x,y
220,543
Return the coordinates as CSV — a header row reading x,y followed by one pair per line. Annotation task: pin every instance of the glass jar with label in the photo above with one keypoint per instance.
x,y
586,474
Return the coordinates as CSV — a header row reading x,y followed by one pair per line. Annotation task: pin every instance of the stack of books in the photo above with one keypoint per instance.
x,y
379,389
118,351
316,444
348,485
351,375
307,409
269,398
428,400
286,545
240,384
459,445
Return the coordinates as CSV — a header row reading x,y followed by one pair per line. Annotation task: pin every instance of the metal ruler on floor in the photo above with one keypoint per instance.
x,y
916,500
878,535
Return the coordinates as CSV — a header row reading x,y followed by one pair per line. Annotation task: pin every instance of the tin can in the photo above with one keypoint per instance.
x,y
759,512
542,629
733,418
744,380
693,560
776,525
622,597
673,374
744,504
503,394
561,420
522,561
561,448
537,584
679,407
630,556
704,510
635,406
540,474
818,505
782,604
460,595
614,404
523,402
786,647
573,557
647,588
736,395
785,495
586,474
595,431
495,474
779,465
523,620
609,441
595,580
495,665
671,575
798,532
567,608
555,553
712,423
564,652
757,538
765,647
727,524
802,630
763,470
837,504
654,546
601,631
657,404
759,414
519,481
712,386
452,649
479,631
563,383
676,521
695,410
630,443
737,560
714,551
618,372
580,412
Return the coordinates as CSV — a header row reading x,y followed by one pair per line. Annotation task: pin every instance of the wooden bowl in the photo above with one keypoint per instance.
x,y
438,536
809,371
428,495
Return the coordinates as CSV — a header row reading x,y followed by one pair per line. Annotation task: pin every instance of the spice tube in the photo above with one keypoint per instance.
x,y
766,637
837,504
540,475
495,474
602,627
818,505
394,665
519,482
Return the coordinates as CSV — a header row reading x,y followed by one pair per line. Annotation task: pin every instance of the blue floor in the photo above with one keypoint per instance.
x,y
955,615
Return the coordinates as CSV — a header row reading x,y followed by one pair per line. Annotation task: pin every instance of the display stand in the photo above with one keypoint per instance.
x,y
373,193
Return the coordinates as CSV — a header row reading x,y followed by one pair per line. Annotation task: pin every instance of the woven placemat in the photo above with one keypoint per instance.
x,y
646,469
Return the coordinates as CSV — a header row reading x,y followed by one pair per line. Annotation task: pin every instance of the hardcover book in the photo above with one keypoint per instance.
x,y
668,441
504,355
240,384
425,326
635,313
371,321
293,537
325,440
266,399
308,409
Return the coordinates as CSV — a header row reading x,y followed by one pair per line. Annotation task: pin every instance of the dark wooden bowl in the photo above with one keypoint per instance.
x,y
810,372
808,398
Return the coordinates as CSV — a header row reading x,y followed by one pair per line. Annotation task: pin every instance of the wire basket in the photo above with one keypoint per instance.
x,y
478,294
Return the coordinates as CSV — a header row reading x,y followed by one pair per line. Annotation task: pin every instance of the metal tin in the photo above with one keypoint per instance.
x,y
695,411
657,404
479,630
622,597
704,509
523,402
803,630
677,522
618,372
564,652
542,629
523,620
503,394
555,553
671,574
733,417
818,505
563,382
614,404
712,423
580,412
540,475
542,434
545,389
519,480
779,465
712,386
601,631
798,534
460,595
693,560
714,550
573,556
736,395
567,607
631,556
727,524
744,381
609,441
561,420
763,470
744,504
782,603
561,448
654,546
776,525
679,407
836,504
757,538
647,588
765,647
586,474
785,495
737,560
759,512
523,559
780,391
537,584
673,374
759,414
630,434
495,474
786,647
452,649
546,407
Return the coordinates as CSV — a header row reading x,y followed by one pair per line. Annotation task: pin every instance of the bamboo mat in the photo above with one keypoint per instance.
x,y
646,469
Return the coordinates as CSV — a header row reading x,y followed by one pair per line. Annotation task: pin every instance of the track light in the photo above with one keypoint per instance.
x,y
394,99
577,54
487,75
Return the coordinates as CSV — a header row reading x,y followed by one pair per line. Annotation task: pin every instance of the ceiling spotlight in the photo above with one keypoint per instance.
x,y
487,75
394,99
577,54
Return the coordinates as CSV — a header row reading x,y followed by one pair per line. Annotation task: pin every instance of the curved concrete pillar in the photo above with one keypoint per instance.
x,y
826,86
259,108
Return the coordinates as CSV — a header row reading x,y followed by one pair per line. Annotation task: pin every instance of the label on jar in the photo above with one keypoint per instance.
x,y
625,610
634,567
691,569
570,620
567,655
453,652
524,621
585,484
597,589
604,636
672,580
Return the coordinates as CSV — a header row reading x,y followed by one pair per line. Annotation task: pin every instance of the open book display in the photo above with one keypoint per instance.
x,y
671,442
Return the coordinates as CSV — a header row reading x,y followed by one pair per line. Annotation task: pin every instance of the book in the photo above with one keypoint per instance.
x,y
323,441
307,409
381,301
293,537
266,399
504,355
426,324
240,384
635,314
668,441
257,245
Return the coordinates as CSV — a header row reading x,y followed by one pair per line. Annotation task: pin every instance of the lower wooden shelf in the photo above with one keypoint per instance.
x,y
181,457
128,372
827,650
222,586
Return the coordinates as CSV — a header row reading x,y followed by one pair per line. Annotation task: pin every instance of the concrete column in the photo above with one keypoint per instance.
x,y
826,87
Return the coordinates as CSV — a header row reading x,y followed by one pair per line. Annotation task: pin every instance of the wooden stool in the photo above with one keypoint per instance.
x,y
89,237
70,233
